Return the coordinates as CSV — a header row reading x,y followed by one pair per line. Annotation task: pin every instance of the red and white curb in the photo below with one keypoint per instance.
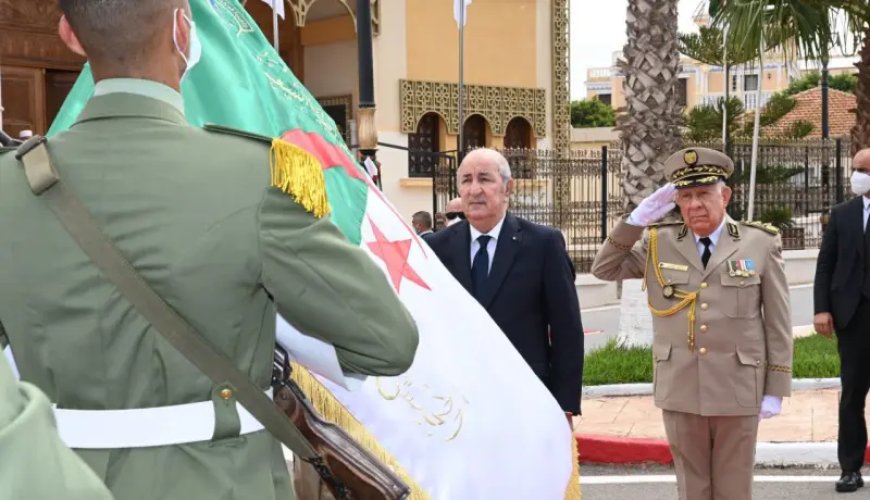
x,y
616,450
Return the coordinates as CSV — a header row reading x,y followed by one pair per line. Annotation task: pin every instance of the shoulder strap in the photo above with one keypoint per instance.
x,y
45,181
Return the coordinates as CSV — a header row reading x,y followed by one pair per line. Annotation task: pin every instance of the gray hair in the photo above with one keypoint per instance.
x,y
504,168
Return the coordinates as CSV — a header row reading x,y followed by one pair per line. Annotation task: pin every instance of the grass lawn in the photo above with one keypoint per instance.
x,y
814,357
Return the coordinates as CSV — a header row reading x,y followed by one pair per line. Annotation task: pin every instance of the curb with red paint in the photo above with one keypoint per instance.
x,y
598,449
614,450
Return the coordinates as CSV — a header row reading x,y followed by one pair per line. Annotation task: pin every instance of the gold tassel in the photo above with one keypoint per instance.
x,y
298,173
572,492
331,409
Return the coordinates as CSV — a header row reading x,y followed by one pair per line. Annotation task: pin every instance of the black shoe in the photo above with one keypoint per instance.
x,y
849,482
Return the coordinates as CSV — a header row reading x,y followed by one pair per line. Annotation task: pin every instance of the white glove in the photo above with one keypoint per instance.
x,y
770,407
654,206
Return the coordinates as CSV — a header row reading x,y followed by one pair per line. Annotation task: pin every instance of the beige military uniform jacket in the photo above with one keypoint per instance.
x,y
741,329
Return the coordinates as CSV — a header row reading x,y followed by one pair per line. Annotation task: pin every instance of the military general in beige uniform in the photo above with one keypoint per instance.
x,y
722,343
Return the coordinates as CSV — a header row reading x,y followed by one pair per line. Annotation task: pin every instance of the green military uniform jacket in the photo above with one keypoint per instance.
x,y
35,463
738,346
194,212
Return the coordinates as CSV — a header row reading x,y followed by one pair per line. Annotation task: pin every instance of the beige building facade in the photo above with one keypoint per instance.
x,y
515,75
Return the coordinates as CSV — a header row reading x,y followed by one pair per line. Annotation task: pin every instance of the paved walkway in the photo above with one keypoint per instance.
x,y
807,416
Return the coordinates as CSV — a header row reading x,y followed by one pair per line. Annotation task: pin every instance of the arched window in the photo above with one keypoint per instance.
x,y
474,132
423,144
518,134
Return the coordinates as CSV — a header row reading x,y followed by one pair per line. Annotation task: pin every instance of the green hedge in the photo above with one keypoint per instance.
x,y
814,357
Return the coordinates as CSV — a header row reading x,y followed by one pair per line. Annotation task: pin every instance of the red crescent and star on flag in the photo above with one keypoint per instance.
x,y
394,253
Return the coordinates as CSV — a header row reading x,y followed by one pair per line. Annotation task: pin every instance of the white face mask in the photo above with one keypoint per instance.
x,y
195,49
860,183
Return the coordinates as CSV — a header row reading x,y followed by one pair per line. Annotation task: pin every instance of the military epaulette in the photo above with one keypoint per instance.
x,y
220,129
768,228
293,169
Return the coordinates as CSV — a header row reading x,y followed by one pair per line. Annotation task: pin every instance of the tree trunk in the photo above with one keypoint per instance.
x,y
861,130
651,119
649,126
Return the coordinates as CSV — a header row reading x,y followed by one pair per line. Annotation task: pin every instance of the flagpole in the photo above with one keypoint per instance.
x,y
725,99
460,149
275,23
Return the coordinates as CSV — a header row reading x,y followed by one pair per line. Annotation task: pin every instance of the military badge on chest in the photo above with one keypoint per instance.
x,y
741,268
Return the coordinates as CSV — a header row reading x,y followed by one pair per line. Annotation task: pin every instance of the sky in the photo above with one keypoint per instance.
x,y
598,29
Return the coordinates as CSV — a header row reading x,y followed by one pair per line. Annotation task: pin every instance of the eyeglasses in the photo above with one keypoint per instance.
x,y
453,215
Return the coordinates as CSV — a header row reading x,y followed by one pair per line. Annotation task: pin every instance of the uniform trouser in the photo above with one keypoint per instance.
x,y
853,343
713,456
307,482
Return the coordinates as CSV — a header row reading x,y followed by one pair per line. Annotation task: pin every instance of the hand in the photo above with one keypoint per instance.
x,y
654,206
824,324
771,406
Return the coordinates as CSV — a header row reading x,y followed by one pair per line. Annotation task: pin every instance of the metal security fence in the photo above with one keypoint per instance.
x,y
580,192
796,184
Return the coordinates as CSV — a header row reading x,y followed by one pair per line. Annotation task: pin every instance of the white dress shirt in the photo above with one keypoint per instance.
x,y
713,237
866,210
491,244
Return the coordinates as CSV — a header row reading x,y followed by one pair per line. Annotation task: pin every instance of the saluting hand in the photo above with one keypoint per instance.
x,y
824,324
654,206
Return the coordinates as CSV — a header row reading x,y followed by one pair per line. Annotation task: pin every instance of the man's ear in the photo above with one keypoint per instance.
x,y
726,194
510,187
69,37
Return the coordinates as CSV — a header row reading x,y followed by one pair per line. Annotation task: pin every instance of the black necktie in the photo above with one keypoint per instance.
x,y
480,267
866,287
705,257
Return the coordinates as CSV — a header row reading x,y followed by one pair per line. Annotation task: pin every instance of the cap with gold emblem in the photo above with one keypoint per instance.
x,y
697,167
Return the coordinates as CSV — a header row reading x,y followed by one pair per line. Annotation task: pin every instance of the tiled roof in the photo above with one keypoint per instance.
x,y
841,114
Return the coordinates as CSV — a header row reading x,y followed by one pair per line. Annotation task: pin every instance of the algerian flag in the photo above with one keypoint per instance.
x,y
469,420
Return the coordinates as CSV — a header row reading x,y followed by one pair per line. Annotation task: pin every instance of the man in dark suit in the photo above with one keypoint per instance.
x,y
842,303
520,272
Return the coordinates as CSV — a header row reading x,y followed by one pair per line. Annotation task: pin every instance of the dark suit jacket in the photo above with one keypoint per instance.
x,y
840,268
531,296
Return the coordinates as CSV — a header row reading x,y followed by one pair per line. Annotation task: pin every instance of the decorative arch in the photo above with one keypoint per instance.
x,y
498,105
301,8
519,133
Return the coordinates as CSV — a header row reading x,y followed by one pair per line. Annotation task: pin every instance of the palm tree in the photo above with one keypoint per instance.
x,y
650,123
649,126
808,27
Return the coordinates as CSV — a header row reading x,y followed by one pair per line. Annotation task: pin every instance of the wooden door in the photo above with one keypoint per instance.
x,y
57,86
23,93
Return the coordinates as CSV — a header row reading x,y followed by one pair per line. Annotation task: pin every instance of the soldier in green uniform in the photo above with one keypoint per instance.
x,y
226,234
36,463
722,341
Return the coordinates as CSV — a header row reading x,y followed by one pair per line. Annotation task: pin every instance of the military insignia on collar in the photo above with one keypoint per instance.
x,y
690,157
733,230
683,232
741,267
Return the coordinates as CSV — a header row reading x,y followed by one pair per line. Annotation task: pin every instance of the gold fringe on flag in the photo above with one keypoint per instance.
x,y
572,492
298,173
331,409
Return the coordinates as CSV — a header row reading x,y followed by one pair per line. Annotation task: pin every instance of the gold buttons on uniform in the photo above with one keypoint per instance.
x,y
703,328
702,350
704,306
704,284
226,393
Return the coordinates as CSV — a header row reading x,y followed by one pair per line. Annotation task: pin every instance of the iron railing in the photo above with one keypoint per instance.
x,y
580,193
